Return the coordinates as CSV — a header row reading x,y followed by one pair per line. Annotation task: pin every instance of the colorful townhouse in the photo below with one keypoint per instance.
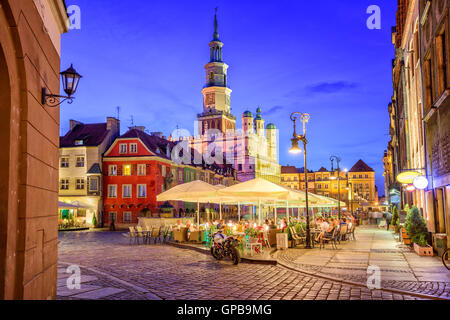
x,y
137,167
80,175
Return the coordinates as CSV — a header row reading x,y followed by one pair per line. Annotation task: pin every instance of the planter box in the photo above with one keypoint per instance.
x,y
423,251
406,240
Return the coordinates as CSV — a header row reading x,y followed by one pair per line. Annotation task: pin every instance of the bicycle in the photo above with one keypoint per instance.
x,y
446,258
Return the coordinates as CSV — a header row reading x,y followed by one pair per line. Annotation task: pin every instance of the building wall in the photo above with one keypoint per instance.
x,y
435,59
30,59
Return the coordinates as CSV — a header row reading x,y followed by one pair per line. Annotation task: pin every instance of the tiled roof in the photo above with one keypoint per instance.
x,y
95,169
361,166
159,146
155,144
288,169
91,135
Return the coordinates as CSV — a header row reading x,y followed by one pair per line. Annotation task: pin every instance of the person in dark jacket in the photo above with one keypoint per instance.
x,y
388,218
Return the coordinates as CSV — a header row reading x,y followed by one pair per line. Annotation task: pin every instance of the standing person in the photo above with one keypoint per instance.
x,y
112,227
388,220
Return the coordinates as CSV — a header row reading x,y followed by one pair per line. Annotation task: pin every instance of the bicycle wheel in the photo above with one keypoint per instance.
x,y
446,259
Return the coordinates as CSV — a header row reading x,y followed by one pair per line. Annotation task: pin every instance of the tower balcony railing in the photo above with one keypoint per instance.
x,y
216,113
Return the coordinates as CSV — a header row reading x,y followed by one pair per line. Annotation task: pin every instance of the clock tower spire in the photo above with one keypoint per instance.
x,y
216,94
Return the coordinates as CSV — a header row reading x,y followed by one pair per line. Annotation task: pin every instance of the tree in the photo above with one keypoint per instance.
x,y
416,227
395,218
94,220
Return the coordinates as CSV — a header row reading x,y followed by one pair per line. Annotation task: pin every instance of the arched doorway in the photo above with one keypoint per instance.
x,y
5,111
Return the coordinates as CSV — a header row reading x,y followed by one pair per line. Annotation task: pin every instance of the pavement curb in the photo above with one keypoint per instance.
x,y
397,291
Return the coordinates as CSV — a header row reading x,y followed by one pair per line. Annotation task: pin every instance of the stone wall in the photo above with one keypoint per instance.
x,y
29,137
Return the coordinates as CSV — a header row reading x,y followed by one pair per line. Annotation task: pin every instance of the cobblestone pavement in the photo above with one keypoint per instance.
x,y
400,267
112,269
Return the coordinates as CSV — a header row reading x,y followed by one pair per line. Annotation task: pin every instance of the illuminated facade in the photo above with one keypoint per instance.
x,y
80,162
360,179
253,150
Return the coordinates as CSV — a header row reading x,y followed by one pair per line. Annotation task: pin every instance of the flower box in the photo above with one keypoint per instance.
x,y
407,240
423,251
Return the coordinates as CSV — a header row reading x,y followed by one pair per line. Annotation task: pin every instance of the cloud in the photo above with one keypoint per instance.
x,y
331,87
274,109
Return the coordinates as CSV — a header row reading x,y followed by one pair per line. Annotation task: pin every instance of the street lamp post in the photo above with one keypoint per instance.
x,y
304,117
351,196
338,160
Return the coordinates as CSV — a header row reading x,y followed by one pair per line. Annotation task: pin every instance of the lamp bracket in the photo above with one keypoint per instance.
x,y
51,100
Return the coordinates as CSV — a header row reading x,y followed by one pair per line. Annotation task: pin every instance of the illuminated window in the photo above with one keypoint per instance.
x,y
122,148
141,169
127,170
126,191
133,147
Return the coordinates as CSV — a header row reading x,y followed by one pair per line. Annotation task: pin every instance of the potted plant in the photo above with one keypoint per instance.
x,y
94,220
252,234
416,228
395,222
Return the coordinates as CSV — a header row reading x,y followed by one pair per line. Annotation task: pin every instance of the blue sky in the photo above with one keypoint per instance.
x,y
288,55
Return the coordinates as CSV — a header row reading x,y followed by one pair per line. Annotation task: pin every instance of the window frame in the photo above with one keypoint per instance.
x,y
115,192
61,162
134,144
145,190
77,180
123,191
77,162
121,145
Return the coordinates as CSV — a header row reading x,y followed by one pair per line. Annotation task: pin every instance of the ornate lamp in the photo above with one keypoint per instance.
x,y
70,79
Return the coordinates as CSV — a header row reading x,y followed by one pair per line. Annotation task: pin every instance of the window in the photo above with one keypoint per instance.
x,y
78,142
360,176
80,184
80,161
64,184
240,167
112,216
141,169
122,148
133,147
326,186
112,170
126,170
93,184
366,176
142,190
163,171
127,217
441,55
64,162
112,191
428,83
126,191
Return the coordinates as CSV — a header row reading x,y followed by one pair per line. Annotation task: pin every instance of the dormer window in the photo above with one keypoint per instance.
x,y
79,142
122,148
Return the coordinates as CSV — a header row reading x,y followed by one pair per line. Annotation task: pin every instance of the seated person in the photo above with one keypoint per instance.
x,y
328,232
343,221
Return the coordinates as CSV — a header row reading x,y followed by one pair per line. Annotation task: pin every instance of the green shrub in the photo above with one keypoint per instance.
x,y
94,220
395,218
416,228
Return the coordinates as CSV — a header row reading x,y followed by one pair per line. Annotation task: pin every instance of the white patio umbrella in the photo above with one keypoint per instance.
x,y
195,191
258,190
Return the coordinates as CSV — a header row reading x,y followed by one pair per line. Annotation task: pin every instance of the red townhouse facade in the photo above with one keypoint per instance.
x,y
135,170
